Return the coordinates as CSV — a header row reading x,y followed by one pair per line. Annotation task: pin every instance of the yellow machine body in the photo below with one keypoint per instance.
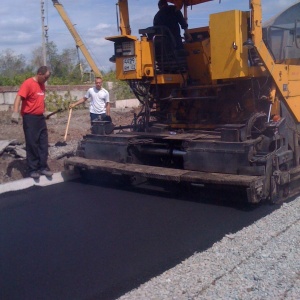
x,y
232,61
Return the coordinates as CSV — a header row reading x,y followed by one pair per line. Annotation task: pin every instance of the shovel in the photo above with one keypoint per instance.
x,y
67,128
53,113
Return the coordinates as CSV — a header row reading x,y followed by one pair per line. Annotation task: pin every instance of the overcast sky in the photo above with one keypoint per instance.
x,y
21,25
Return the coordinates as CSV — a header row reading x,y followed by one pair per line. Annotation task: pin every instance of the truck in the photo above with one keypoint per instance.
x,y
222,113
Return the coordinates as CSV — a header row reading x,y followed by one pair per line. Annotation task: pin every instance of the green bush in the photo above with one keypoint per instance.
x,y
15,80
55,101
122,91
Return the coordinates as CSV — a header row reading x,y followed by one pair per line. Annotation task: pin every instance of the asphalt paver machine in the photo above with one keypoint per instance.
x,y
223,112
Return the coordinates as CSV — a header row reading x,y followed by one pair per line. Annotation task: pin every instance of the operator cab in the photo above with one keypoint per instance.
x,y
168,59
282,36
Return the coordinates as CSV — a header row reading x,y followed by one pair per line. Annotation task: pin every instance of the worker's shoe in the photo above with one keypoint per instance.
x,y
46,172
34,175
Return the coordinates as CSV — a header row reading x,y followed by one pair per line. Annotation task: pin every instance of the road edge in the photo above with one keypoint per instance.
x,y
25,183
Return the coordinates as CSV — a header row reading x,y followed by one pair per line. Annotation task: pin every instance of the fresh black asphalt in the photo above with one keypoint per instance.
x,y
80,240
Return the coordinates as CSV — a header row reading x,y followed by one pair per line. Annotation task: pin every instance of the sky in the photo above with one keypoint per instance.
x,y
21,22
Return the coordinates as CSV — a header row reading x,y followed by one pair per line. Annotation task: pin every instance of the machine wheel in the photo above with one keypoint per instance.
x,y
256,125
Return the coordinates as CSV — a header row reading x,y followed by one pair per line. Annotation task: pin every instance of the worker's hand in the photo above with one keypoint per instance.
x,y
188,37
107,118
46,114
15,117
71,106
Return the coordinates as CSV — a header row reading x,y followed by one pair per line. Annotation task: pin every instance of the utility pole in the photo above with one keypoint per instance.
x,y
44,34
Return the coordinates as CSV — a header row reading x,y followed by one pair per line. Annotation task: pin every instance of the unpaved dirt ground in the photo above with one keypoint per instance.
x,y
13,167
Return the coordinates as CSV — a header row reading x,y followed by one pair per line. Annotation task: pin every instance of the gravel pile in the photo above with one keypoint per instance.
x,y
261,261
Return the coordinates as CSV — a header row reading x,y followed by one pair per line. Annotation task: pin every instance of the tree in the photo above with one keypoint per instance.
x,y
12,64
37,58
64,66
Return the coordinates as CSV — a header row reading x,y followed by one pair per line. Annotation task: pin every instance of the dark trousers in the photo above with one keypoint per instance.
x,y
36,138
96,117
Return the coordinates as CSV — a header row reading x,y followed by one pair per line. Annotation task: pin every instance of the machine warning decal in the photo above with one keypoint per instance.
x,y
129,64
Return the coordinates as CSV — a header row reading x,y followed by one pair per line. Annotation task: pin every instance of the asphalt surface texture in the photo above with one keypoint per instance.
x,y
85,240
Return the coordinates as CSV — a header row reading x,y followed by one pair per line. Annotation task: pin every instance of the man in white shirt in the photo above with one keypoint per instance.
x,y
99,104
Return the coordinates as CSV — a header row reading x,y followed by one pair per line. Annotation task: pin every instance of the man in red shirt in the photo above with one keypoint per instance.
x,y
32,96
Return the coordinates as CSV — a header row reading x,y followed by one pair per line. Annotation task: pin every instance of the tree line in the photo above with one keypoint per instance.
x,y
66,67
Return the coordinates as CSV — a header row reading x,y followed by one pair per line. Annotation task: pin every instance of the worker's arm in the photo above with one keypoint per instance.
x,y
184,25
15,115
72,105
17,102
107,105
181,20
187,36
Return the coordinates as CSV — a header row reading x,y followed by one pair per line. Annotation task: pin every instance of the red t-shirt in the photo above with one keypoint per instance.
x,y
34,97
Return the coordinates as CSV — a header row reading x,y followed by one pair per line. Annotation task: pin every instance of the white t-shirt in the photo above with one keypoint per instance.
x,y
98,100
